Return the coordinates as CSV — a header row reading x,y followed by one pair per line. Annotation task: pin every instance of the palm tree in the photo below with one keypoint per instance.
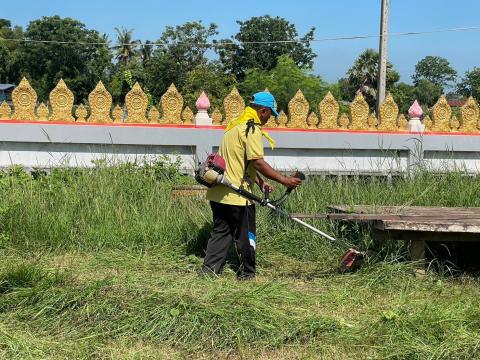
x,y
362,76
363,73
126,48
146,51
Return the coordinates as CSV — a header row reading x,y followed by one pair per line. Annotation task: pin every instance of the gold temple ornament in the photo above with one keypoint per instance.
x,y
136,102
187,116
117,114
217,117
469,116
298,109
100,102
312,120
441,115
81,113
5,111
233,105
42,112
172,105
328,109
359,113
24,100
61,101
154,115
388,115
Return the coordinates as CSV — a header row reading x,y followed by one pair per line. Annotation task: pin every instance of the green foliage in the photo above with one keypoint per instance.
x,y
404,95
363,75
435,69
80,65
470,84
183,50
242,55
427,92
123,77
146,51
9,52
209,78
283,81
126,48
20,276
112,196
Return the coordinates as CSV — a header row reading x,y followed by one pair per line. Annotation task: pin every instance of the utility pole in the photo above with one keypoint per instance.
x,y
382,71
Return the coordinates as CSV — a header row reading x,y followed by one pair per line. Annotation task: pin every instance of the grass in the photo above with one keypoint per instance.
x,y
102,263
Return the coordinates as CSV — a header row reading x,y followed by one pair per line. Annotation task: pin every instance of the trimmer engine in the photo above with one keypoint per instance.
x,y
210,172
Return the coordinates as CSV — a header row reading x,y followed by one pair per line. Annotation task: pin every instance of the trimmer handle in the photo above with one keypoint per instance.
x,y
298,174
266,194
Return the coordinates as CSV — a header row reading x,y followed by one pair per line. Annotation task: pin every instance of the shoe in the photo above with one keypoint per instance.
x,y
206,272
250,277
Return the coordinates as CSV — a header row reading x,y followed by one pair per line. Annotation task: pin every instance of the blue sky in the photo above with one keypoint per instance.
x,y
330,18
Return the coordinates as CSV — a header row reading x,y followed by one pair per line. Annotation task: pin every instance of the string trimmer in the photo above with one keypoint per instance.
x,y
212,172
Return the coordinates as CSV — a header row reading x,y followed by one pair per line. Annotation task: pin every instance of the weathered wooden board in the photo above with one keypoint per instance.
x,y
413,224
407,218
189,191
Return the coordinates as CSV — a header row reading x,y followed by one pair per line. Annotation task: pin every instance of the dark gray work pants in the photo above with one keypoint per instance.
x,y
237,223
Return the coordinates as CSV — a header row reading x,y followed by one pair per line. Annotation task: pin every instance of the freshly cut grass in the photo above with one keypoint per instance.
x,y
101,302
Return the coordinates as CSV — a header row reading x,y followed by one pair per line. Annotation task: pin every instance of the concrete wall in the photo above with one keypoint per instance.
x,y
45,145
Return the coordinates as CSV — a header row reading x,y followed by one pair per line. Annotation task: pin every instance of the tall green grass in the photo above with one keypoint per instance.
x,y
130,206
126,206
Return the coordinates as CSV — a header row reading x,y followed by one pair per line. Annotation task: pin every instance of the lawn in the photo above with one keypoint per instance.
x,y
102,263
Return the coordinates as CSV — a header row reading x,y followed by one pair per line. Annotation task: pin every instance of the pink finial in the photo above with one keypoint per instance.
x,y
415,110
202,102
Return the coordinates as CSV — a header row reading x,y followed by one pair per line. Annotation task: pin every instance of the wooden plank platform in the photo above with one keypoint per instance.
x,y
196,191
414,224
412,218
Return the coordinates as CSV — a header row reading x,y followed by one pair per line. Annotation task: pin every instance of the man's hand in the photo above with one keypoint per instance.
x,y
291,181
263,185
266,187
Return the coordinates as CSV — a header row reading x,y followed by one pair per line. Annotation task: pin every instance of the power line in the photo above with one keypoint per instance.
x,y
215,43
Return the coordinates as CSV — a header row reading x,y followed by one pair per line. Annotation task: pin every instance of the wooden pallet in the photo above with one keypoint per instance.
x,y
414,224
412,218
196,191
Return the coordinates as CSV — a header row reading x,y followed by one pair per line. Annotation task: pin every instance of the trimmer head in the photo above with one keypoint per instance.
x,y
352,259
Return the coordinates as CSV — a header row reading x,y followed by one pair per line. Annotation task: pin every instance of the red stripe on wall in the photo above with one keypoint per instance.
x,y
174,126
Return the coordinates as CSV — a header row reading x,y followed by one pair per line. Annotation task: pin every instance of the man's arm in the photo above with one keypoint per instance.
x,y
265,169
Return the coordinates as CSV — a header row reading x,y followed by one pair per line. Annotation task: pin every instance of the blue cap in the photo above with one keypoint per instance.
x,y
266,99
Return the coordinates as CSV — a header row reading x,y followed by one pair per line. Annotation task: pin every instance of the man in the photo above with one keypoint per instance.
x,y
233,215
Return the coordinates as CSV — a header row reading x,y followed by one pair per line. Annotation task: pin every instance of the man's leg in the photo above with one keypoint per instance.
x,y
220,239
245,241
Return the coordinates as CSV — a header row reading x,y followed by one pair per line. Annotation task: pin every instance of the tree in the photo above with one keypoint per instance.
x,y
118,84
404,95
183,49
261,41
435,69
5,23
146,52
283,81
79,62
427,92
9,53
470,84
362,76
131,57
209,78
126,48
